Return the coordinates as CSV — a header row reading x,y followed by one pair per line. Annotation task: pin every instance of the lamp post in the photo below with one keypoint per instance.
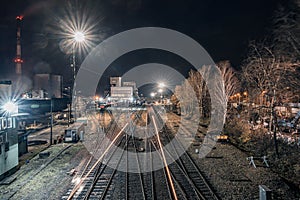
x,y
160,92
51,122
152,94
161,86
78,38
239,96
246,96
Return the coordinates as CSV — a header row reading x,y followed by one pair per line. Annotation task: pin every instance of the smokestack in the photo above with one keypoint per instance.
x,y
18,59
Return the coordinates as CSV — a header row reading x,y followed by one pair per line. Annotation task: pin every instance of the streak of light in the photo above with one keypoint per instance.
x,y
165,161
77,187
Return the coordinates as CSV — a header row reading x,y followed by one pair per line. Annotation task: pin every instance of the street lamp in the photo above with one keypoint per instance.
x,y
10,107
160,91
239,96
78,38
152,94
161,85
246,96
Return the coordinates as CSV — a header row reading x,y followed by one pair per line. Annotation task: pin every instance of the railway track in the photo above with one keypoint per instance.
x,y
190,181
179,180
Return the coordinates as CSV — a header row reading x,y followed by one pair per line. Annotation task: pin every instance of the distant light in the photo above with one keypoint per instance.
x,y
152,94
18,60
79,36
161,85
160,90
20,17
10,107
100,99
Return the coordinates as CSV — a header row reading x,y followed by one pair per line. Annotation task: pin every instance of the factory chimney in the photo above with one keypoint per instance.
x,y
18,60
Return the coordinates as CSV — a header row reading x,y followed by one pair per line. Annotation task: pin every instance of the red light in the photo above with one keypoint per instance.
x,y
19,17
18,60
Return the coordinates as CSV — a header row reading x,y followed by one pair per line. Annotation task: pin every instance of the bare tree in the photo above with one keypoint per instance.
x,y
230,78
196,82
268,74
184,94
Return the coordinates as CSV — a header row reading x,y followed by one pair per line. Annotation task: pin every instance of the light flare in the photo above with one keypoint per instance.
x,y
10,107
76,26
79,36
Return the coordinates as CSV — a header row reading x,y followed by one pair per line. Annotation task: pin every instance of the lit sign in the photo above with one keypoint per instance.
x,y
35,106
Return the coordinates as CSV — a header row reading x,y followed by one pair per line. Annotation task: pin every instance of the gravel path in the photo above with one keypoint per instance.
x,y
37,181
233,178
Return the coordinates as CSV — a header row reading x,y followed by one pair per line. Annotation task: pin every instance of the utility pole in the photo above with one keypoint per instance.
x,y
51,125
69,114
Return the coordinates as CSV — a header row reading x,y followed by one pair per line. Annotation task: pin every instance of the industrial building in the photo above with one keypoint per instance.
x,y
130,84
5,90
133,85
115,81
122,92
50,84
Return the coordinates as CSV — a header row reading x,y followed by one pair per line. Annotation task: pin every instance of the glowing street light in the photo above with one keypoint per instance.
x,y
152,94
76,27
246,96
239,96
79,36
10,107
161,85
160,90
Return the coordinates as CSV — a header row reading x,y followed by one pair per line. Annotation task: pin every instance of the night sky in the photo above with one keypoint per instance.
x,y
223,28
